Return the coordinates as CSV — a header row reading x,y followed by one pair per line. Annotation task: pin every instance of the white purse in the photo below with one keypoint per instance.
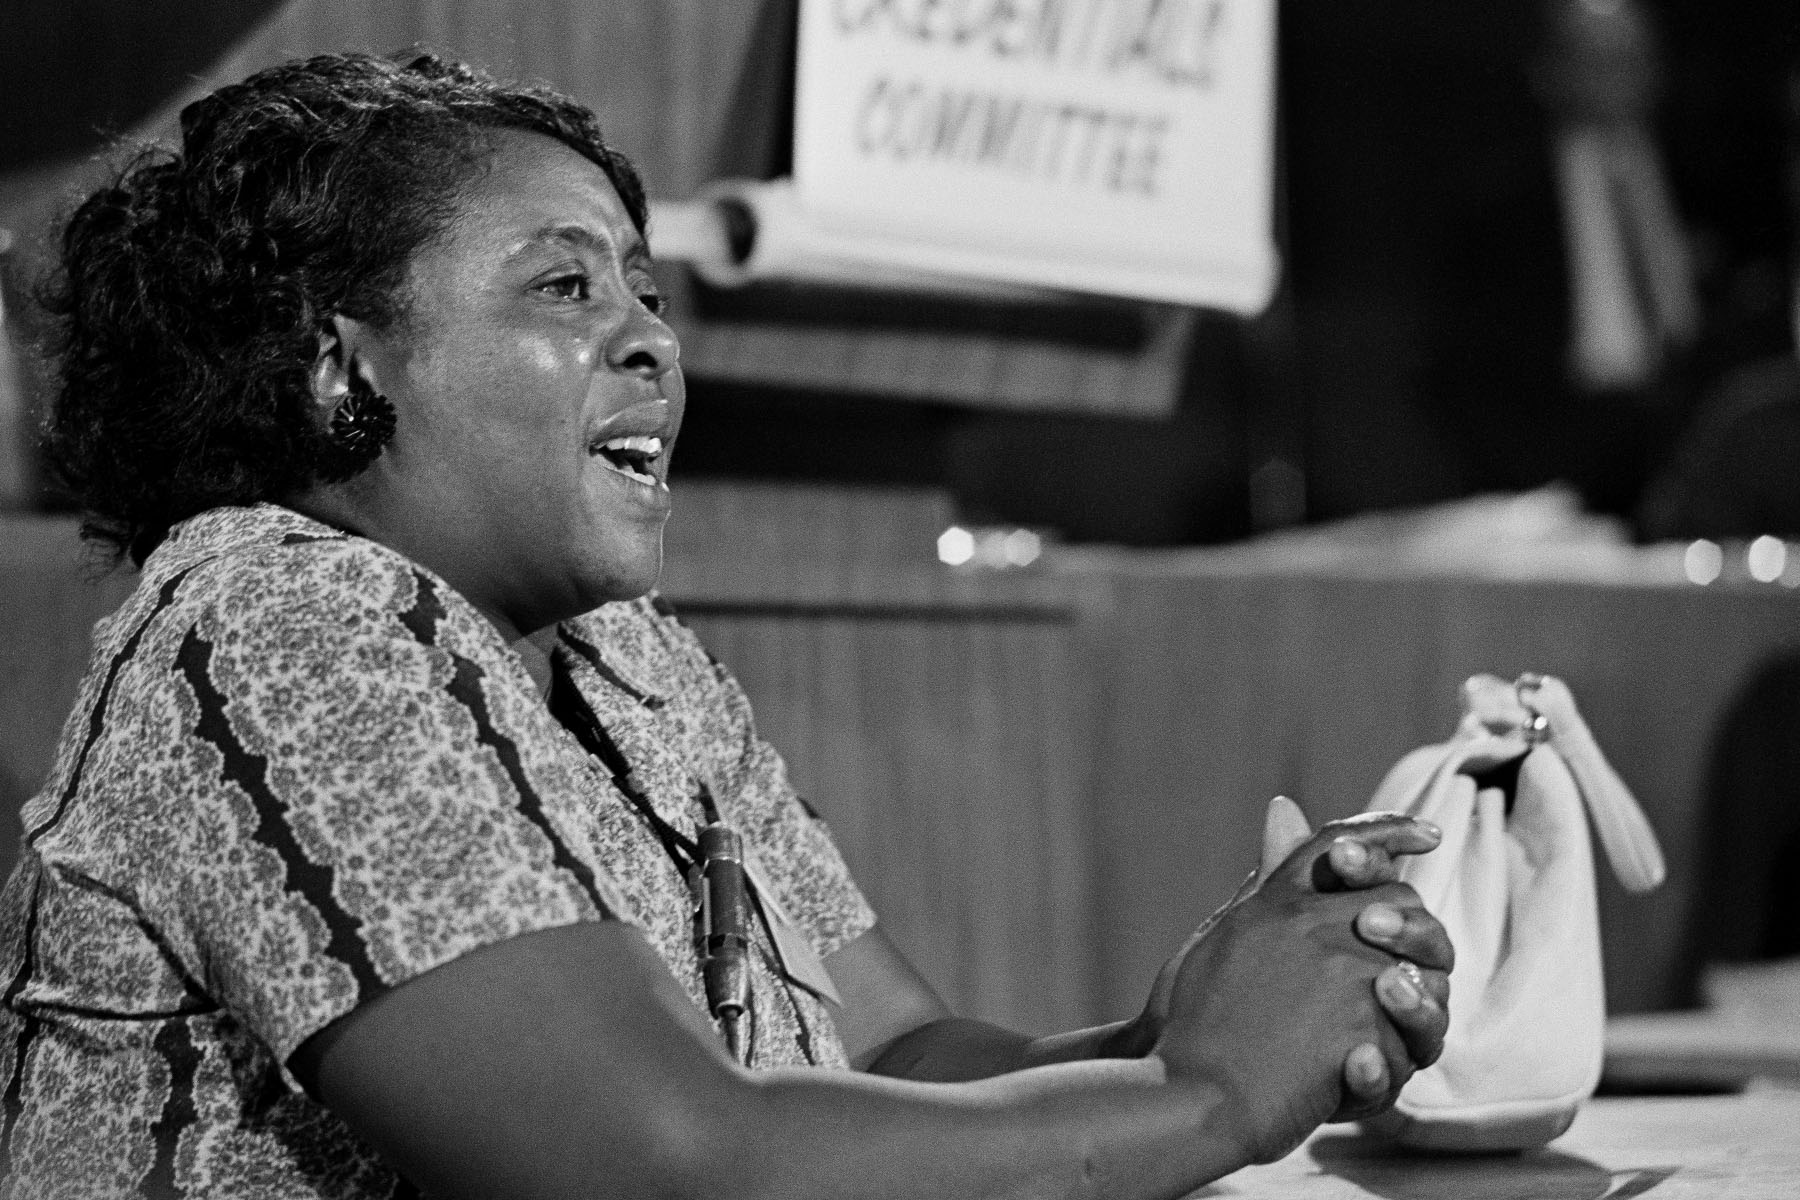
x,y
1513,884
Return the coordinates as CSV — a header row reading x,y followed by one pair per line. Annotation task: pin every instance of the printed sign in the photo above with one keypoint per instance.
x,y
1117,146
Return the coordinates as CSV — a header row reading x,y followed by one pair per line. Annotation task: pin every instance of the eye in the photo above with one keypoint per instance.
x,y
573,286
643,285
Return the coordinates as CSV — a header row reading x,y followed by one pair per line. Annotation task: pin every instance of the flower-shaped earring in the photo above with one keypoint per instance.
x,y
361,425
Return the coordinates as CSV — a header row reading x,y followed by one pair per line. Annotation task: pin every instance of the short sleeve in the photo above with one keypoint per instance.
x,y
367,796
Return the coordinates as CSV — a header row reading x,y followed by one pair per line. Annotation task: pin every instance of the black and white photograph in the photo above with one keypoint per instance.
x,y
899,599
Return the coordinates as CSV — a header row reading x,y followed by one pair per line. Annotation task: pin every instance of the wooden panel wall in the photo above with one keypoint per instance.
x,y
935,717
949,756
658,73
1222,688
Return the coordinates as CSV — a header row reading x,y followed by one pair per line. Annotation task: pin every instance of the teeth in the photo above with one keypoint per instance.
x,y
648,446
626,454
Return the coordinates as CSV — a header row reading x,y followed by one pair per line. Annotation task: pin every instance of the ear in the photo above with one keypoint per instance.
x,y
340,360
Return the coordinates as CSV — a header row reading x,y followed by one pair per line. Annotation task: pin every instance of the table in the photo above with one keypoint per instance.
x,y
1744,1147
1701,1051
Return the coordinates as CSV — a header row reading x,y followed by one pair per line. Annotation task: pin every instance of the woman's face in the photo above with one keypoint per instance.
x,y
536,394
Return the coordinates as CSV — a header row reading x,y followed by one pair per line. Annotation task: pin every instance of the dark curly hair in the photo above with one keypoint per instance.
x,y
192,290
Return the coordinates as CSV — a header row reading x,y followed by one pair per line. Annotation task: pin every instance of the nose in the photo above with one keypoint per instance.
x,y
643,344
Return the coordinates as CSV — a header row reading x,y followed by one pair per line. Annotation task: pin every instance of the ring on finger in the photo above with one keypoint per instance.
x,y
1414,977
1535,729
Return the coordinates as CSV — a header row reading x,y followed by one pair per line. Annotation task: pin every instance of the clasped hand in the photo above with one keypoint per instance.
x,y
1318,990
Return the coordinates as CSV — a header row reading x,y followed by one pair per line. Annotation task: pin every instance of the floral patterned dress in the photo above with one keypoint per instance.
x,y
303,770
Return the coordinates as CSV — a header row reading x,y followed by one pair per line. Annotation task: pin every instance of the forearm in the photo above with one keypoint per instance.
x,y
569,1062
1117,1129
954,1049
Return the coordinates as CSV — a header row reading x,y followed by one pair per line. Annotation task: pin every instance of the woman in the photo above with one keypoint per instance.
x,y
364,865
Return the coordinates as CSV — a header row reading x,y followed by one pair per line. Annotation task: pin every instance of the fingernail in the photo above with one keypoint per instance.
x,y
1351,853
1359,1066
1432,831
1379,920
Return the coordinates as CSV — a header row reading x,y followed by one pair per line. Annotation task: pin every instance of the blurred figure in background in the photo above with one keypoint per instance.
x,y
1630,285
1563,302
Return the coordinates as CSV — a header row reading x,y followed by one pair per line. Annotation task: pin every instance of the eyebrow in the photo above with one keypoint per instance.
x,y
635,249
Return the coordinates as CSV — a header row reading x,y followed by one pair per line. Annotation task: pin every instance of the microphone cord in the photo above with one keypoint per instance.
x,y
572,711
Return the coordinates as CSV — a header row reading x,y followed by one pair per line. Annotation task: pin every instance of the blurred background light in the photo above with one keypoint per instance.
x,y
1766,558
1703,561
1022,547
996,547
955,546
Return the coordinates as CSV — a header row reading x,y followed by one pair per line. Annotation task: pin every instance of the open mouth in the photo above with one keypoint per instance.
x,y
633,457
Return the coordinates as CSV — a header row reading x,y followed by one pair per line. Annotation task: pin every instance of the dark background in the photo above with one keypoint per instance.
x,y
1413,355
